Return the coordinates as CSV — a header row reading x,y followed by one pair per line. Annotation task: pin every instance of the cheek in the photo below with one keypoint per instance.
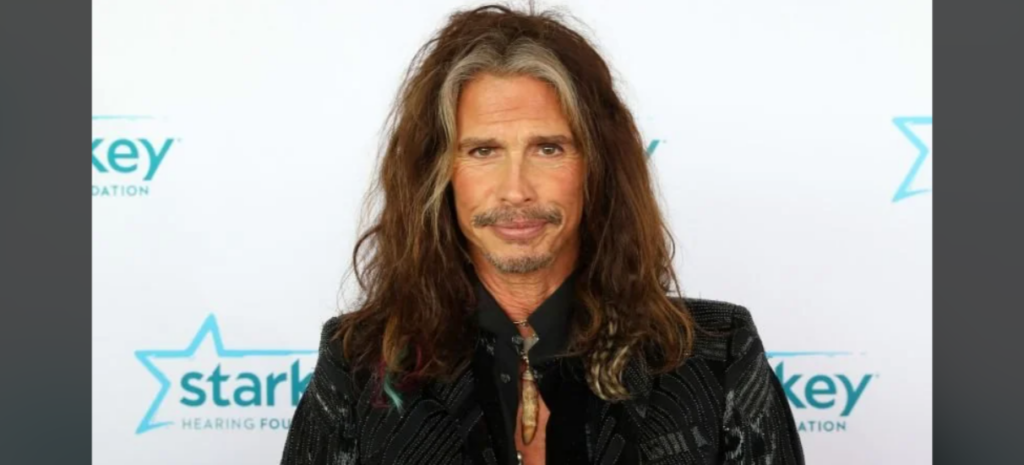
x,y
467,195
569,189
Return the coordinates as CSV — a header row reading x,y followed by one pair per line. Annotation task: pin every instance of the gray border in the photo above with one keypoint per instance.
x,y
45,250
979,217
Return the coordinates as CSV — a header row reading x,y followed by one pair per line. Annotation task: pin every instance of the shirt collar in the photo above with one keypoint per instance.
x,y
550,321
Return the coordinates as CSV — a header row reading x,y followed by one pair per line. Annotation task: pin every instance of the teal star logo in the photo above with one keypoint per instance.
x,y
904,123
209,329
652,146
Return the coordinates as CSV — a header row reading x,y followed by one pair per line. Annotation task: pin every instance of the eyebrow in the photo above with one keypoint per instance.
x,y
533,140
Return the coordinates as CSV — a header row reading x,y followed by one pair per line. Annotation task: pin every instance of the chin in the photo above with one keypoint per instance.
x,y
517,258
520,264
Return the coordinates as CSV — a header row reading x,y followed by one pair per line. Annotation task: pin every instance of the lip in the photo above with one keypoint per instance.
x,y
519,231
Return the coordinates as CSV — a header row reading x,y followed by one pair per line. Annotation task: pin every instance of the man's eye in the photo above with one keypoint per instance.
x,y
482,151
550,149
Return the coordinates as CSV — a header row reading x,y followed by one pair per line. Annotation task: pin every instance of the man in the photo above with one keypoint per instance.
x,y
516,283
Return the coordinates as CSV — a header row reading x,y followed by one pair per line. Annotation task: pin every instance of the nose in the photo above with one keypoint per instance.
x,y
516,187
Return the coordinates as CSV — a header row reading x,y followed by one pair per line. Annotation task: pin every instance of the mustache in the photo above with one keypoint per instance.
x,y
508,215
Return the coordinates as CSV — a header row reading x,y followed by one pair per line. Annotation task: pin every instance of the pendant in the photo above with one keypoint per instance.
x,y
529,398
530,406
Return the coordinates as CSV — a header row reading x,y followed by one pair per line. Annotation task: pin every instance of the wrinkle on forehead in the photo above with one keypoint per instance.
x,y
488,101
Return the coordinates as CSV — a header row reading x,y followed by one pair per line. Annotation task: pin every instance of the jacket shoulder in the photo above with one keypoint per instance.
x,y
323,422
758,423
331,361
724,329
332,386
329,346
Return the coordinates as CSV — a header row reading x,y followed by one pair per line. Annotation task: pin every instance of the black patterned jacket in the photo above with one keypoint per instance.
x,y
723,406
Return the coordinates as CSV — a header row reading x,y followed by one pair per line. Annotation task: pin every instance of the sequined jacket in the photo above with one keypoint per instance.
x,y
724,405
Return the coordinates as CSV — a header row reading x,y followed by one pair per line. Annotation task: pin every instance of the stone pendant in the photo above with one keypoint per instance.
x,y
530,406
529,401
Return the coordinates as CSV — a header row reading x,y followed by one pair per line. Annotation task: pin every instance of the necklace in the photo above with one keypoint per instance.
x,y
529,398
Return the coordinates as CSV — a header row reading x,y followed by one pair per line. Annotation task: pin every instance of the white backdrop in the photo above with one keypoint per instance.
x,y
233,143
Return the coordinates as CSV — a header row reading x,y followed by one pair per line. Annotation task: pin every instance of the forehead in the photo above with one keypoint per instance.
x,y
489,102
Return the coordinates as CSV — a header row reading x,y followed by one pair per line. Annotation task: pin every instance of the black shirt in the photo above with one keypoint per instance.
x,y
550,322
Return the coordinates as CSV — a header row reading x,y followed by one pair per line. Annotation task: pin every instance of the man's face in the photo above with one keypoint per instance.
x,y
518,177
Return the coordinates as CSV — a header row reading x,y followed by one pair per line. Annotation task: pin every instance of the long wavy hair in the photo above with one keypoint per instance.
x,y
414,320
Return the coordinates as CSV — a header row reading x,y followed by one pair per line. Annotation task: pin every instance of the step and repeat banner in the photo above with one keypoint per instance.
x,y
233,143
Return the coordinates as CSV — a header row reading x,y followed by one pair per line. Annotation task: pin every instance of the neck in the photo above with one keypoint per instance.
x,y
519,294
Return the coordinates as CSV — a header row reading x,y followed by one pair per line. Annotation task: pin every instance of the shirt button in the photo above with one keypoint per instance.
x,y
505,378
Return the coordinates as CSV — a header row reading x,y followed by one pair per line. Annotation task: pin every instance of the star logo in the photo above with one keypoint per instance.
x,y
651,147
904,123
210,330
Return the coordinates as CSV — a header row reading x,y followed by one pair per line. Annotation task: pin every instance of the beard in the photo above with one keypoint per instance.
x,y
521,264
